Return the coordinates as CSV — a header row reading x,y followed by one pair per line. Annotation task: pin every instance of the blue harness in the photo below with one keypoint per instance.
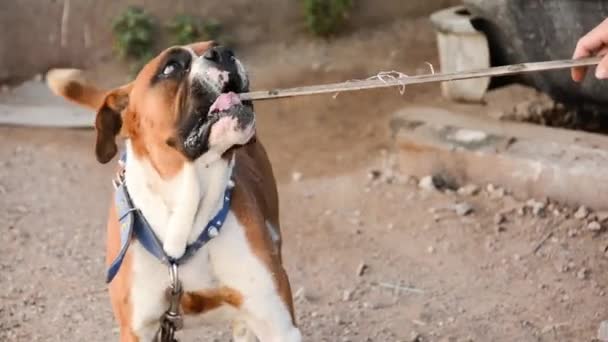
x,y
133,224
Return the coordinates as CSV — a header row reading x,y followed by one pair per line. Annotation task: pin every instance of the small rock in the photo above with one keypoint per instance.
x,y
300,294
468,190
516,257
390,226
463,209
296,176
582,274
500,229
374,175
416,337
361,269
572,233
499,219
581,213
494,191
537,207
602,216
347,295
602,332
431,249
427,183
594,226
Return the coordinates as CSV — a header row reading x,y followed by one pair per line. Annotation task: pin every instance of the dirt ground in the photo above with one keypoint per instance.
x,y
433,271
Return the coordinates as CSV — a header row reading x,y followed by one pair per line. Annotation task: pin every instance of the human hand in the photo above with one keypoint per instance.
x,y
594,43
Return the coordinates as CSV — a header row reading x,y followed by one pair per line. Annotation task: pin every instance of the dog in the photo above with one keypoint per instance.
x,y
190,152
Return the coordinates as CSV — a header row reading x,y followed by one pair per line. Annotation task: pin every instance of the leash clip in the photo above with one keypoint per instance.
x,y
172,320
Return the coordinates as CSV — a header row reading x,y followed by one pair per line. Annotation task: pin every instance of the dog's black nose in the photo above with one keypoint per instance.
x,y
219,54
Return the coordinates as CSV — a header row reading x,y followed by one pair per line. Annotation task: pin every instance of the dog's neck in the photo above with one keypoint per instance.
x,y
177,208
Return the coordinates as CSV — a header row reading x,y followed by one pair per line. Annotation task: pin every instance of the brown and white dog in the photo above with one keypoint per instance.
x,y
182,123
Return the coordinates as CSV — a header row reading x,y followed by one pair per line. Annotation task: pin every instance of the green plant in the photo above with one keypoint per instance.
x,y
134,36
185,29
325,17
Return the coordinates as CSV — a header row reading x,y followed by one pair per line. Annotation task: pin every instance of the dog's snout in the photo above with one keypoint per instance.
x,y
219,54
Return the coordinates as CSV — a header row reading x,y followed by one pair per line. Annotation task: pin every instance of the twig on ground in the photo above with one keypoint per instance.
x,y
399,288
542,242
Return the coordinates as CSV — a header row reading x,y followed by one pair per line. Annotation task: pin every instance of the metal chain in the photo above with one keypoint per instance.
x,y
172,320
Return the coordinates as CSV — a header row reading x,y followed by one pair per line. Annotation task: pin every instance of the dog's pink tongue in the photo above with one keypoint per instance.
x,y
225,101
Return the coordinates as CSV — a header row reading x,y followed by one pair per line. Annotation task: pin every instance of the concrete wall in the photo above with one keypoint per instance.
x,y
30,35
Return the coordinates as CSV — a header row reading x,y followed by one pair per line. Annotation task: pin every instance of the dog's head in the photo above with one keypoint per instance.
x,y
182,103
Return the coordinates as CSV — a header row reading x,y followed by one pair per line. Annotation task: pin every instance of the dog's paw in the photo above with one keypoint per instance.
x,y
174,249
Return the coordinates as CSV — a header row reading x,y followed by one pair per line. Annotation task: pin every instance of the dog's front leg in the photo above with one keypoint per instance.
x,y
185,206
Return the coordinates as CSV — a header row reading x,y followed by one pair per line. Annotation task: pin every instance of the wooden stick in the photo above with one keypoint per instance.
x,y
335,88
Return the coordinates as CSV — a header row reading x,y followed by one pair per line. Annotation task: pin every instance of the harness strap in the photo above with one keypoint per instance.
x,y
133,224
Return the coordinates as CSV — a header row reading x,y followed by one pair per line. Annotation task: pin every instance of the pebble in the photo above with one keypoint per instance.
x,y
374,175
594,226
347,295
361,269
300,294
602,216
431,249
21,209
583,274
602,332
427,183
581,213
463,209
296,176
468,190
499,219
494,191
538,208
416,337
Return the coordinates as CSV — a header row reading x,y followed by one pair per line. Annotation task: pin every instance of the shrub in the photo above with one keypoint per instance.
x,y
325,17
134,36
185,29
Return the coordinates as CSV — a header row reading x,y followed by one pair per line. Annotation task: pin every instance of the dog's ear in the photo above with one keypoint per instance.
x,y
72,85
108,122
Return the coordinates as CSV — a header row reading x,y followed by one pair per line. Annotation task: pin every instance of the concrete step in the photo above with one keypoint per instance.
x,y
530,160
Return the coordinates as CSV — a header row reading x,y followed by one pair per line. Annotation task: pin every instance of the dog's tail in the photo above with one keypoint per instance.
x,y
72,85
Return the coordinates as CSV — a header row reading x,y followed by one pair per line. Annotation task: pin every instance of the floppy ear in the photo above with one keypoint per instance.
x,y
108,122
72,85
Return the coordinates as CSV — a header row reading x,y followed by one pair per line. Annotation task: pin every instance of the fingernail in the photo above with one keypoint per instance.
x,y
601,72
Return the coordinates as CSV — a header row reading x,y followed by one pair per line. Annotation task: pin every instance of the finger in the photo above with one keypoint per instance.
x,y
587,46
601,72
578,74
593,41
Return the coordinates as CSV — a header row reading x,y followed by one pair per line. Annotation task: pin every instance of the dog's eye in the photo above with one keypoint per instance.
x,y
171,68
